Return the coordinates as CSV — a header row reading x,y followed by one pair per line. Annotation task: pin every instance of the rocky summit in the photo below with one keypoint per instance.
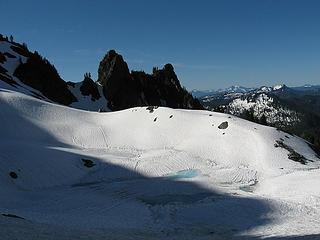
x,y
123,89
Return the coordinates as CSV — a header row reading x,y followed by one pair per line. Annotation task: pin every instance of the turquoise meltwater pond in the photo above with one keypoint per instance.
x,y
189,173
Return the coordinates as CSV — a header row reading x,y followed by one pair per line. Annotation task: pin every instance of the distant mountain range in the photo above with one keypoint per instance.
x,y
292,109
232,89
240,89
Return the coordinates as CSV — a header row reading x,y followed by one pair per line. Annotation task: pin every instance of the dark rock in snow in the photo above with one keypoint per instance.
x,y
89,87
223,125
151,109
293,155
11,215
13,175
9,55
2,58
7,79
88,163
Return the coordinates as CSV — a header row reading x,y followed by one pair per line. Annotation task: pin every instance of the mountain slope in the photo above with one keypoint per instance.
x,y
165,173
290,109
30,73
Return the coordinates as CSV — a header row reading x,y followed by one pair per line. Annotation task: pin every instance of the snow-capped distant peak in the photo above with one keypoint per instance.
x,y
235,89
264,89
278,87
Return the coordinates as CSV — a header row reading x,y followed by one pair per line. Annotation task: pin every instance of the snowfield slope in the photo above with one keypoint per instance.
x,y
150,173
12,55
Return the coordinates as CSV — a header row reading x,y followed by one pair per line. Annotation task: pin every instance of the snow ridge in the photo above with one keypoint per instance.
x,y
163,172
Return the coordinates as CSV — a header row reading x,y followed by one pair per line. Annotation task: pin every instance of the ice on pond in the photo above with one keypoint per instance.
x,y
188,173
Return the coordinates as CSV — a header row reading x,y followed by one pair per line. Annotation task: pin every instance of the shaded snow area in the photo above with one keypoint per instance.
x,y
264,105
71,174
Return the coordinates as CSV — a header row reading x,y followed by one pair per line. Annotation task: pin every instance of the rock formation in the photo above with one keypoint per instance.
x,y
123,89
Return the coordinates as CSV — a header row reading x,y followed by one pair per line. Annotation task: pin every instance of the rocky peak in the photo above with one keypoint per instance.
x,y
167,76
118,86
113,67
124,89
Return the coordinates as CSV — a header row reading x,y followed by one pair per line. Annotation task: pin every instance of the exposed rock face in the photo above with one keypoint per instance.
x,y
89,87
124,89
39,74
118,86
2,57
163,88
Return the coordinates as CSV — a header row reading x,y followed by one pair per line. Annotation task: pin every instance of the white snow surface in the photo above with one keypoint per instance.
x,y
277,87
166,174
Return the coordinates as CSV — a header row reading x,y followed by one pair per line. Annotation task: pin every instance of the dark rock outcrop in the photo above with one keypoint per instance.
x,y
124,89
88,163
13,175
3,70
162,88
2,58
12,215
39,74
223,125
89,87
4,76
119,87
21,50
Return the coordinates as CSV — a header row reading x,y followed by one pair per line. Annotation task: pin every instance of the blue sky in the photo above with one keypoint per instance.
x,y
212,44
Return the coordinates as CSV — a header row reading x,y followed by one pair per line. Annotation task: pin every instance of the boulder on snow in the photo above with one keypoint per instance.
x,y
88,163
11,215
13,175
223,125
